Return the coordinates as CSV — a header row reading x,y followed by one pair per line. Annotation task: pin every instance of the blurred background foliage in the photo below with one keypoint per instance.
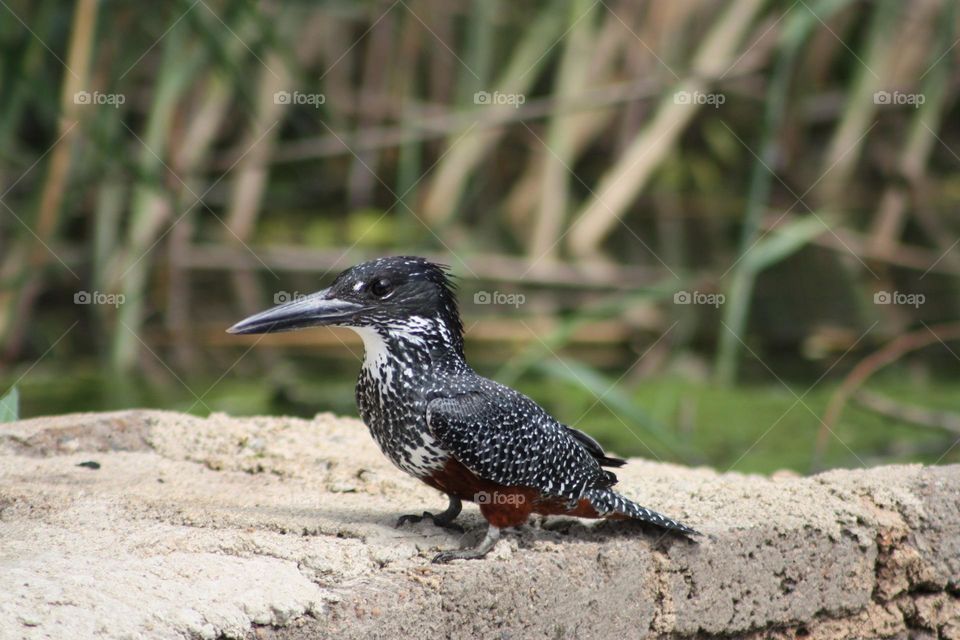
x,y
710,232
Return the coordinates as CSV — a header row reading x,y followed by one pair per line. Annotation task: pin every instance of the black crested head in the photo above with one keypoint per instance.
x,y
400,287
385,294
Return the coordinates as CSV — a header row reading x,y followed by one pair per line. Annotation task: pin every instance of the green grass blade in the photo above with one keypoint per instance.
x,y
10,406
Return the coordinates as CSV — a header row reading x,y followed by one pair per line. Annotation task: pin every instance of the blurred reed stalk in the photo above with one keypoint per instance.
x,y
795,33
527,59
151,203
570,78
27,261
621,184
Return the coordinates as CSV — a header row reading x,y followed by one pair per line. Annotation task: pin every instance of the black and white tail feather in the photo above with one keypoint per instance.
x,y
608,502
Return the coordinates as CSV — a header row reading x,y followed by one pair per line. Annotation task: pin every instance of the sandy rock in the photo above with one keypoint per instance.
x,y
283,528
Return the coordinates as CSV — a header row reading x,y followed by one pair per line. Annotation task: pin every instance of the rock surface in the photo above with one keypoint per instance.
x,y
283,528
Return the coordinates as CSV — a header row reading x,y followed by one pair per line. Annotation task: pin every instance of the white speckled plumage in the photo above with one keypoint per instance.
x,y
424,404
438,420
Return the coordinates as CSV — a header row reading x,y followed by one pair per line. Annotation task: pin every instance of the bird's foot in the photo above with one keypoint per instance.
x,y
438,520
443,519
482,549
458,554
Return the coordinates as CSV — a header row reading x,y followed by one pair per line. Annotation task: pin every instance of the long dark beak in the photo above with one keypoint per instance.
x,y
317,309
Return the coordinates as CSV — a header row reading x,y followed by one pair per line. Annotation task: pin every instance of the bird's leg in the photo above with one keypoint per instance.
x,y
489,542
443,519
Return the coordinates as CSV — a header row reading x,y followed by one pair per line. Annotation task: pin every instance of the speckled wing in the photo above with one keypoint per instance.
x,y
505,437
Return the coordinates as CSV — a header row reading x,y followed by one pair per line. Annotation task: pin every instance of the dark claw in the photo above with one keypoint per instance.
x,y
443,557
467,554
482,549
437,521
404,519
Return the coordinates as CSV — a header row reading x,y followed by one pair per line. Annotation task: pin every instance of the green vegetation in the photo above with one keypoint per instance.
x,y
767,190
748,428
10,405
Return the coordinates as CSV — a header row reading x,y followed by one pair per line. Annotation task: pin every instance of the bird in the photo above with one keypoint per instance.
x,y
435,418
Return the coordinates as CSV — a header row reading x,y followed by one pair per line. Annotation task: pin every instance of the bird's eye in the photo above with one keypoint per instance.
x,y
381,287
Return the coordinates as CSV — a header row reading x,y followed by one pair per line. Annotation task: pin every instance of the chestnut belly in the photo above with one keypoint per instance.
x,y
502,505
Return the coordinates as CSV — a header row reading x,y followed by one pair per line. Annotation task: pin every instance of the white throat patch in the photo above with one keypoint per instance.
x,y
379,363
